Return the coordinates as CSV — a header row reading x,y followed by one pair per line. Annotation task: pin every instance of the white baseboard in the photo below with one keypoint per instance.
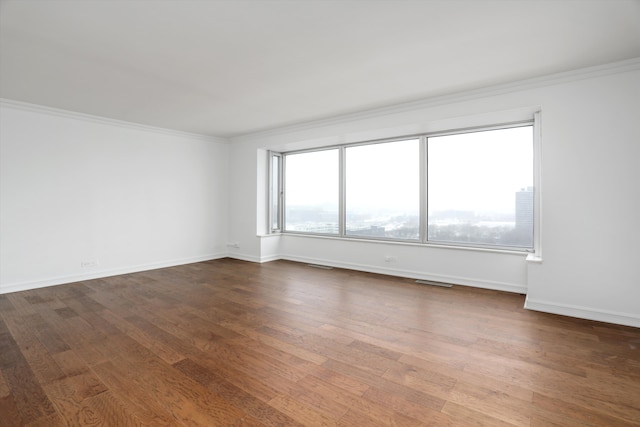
x,y
530,303
251,258
583,312
243,257
61,280
270,258
456,280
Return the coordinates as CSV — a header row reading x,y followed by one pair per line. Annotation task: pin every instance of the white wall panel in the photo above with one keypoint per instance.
x,y
74,189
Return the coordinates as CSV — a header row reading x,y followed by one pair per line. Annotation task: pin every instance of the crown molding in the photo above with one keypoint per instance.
x,y
469,95
4,102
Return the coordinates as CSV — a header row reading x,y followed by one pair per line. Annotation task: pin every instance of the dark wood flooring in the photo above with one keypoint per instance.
x,y
228,342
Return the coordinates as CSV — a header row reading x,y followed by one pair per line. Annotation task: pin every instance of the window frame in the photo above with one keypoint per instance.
x,y
475,129
423,137
275,198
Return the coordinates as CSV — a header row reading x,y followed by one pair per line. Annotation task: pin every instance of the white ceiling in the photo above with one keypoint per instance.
x,y
226,68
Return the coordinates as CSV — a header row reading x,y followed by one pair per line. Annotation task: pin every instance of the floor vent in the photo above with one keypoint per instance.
x,y
432,283
324,267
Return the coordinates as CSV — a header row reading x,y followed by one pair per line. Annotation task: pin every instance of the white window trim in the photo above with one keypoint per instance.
x,y
270,199
534,253
536,256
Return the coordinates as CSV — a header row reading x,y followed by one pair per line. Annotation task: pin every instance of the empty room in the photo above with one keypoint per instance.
x,y
318,212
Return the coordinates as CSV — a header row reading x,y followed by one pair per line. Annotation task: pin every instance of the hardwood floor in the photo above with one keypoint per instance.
x,y
228,342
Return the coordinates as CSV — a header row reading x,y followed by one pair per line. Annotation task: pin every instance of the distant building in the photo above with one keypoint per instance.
x,y
323,228
524,211
373,230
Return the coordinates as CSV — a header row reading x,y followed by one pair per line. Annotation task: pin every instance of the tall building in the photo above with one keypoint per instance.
x,y
524,215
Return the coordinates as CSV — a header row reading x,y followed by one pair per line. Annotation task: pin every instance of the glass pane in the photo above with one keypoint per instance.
x,y
275,192
383,190
312,192
480,188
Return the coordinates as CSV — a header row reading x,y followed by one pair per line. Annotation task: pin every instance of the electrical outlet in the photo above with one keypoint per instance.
x,y
88,263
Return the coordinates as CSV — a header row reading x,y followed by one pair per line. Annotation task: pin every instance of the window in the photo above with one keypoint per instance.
x,y
466,188
480,187
382,190
275,192
312,191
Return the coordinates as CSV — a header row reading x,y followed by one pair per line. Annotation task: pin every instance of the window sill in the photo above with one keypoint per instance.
x,y
266,236
399,243
534,259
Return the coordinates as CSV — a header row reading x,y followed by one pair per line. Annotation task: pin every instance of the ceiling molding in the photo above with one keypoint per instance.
x,y
536,82
106,121
543,81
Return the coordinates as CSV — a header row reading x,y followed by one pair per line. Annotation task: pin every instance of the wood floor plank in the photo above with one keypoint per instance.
x,y
185,399
427,411
562,412
401,390
301,412
39,357
472,417
240,398
166,353
495,403
152,411
9,410
103,409
355,418
344,382
179,339
4,386
68,396
53,420
21,305
278,375
70,363
26,393
229,342
260,336
5,305
622,401
469,377
357,406
79,335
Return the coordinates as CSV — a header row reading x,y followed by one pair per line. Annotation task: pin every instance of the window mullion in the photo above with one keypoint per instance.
x,y
273,199
537,184
280,214
283,190
342,216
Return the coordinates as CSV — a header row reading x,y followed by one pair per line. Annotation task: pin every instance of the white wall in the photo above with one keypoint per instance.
x,y
590,193
591,211
75,188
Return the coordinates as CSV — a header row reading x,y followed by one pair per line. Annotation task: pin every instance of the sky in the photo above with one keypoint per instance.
x,y
479,171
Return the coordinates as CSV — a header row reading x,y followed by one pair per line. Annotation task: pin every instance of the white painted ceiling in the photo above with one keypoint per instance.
x,y
227,68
